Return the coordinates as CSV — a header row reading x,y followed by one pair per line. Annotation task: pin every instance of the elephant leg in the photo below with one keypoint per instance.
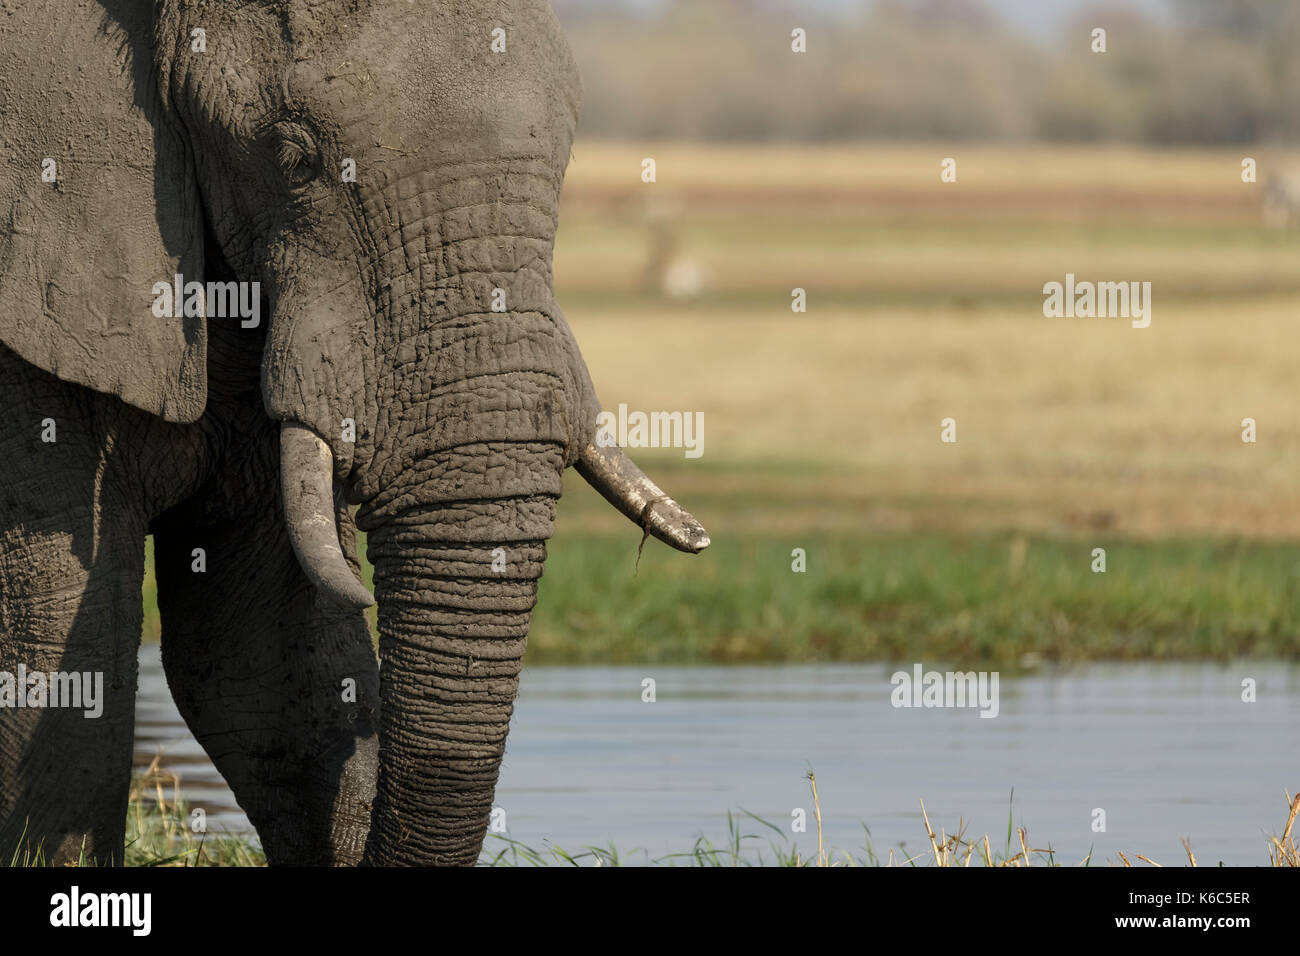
x,y
280,692
71,564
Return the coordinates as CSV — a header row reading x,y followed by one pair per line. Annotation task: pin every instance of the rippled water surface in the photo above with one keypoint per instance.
x,y
1165,750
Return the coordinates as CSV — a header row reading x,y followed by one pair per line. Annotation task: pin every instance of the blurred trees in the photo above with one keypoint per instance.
x,y
1214,72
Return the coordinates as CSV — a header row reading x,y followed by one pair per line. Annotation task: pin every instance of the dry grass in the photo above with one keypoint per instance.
x,y
158,834
925,302
745,849
1283,851
1062,426
875,225
955,850
161,831
838,168
161,828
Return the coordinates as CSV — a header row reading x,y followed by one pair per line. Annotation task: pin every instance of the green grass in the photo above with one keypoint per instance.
x,y
161,831
773,846
996,599
158,834
896,597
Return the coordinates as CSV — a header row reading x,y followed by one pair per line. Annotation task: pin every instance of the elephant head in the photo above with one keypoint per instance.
x,y
390,174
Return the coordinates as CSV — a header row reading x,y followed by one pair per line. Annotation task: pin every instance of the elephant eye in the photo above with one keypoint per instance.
x,y
298,156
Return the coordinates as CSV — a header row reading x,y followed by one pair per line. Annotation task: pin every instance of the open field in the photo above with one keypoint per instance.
x,y
1062,425
871,227
1061,171
822,430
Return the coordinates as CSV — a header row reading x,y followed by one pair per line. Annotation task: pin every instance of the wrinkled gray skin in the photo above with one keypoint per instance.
x,y
225,164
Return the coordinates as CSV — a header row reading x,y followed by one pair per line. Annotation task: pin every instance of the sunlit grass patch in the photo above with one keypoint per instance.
x,y
160,832
999,600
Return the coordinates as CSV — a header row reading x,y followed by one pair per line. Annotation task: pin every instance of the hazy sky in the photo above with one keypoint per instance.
x,y
1043,17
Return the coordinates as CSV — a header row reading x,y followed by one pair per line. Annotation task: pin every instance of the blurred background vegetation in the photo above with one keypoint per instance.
x,y
1176,72
820,171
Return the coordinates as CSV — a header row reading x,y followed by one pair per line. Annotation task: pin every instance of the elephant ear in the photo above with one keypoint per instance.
x,y
98,202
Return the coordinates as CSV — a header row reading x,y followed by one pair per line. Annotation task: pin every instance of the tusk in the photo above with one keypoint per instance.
x,y
307,485
626,487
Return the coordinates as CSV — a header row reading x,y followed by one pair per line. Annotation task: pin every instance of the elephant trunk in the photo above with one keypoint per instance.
x,y
457,582
457,551
479,412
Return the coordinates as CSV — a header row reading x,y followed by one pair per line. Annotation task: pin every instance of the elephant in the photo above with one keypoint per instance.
x,y
273,271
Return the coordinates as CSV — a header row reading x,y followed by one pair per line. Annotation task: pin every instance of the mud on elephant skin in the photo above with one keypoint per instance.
x,y
388,174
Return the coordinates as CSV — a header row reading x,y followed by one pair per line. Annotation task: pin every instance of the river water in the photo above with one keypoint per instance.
x,y
1165,750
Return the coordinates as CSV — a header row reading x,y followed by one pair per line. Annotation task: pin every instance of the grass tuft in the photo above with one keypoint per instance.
x,y
753,849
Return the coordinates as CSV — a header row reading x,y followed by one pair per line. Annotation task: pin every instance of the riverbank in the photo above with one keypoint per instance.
x,y
159,834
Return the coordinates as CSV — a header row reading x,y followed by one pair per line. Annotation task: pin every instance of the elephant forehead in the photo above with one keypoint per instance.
x,y
495,78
